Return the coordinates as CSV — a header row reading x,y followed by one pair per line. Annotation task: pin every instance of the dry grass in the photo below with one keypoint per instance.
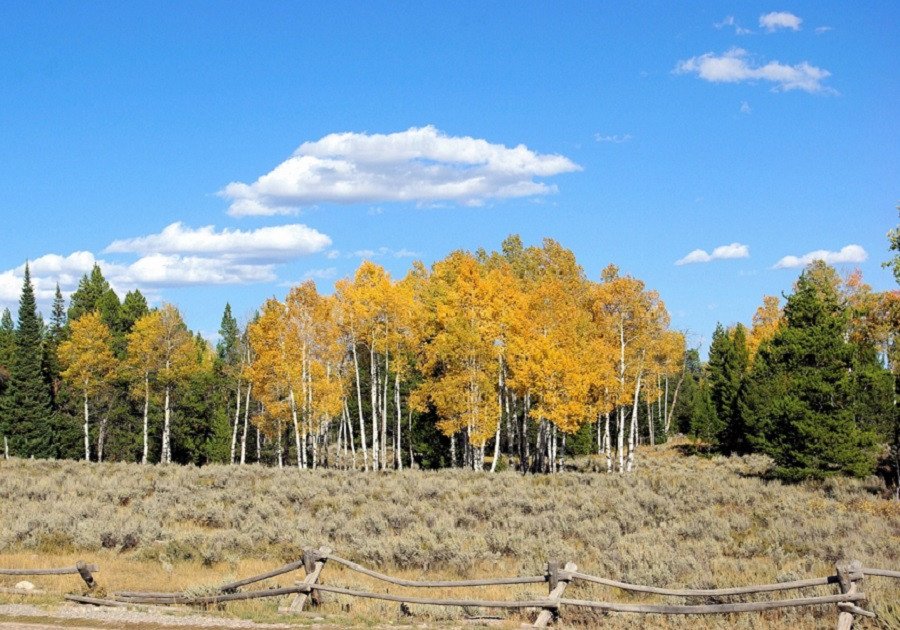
x,y
677,521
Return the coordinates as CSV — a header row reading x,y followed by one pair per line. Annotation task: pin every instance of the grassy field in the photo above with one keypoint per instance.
x,y
678,521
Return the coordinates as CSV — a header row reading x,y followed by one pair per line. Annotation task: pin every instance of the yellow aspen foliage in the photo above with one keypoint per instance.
x,y
87,356
767,319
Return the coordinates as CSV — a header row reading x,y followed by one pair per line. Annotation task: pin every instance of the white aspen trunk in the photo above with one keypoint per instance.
x,y
671,411
362,424
278,447
87,442
620,439
237,421
634,419
246,424
258,446
524,436
453,451
101,437
146,417
481,455
296,428
313,431
650,424
166,444
350,433
384,408
398,449
373,395
340,443
606,440
665,413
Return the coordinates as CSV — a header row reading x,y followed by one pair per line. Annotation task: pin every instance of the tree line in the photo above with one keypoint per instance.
x,y
485,360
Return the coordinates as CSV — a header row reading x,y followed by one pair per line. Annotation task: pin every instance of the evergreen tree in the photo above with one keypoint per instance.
x,y
95,294
31,430
705,424
228,348
728,358
7,353
134,306
800,396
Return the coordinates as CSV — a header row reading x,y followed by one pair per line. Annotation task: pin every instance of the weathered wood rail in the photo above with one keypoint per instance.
x,y
83,569
848,578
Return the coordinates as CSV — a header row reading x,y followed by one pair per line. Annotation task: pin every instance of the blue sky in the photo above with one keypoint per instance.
x,y
290,140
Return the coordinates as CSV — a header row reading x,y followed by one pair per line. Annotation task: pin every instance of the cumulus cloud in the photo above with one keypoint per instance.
x,y
723,252
420,165
734,66
778,20
847,255
282,242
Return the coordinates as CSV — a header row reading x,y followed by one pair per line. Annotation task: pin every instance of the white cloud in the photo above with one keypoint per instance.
x,y
723,252
745,107
172,270
615,138
730,21
419,165
282,242
735,67
821,30
778,20
847,255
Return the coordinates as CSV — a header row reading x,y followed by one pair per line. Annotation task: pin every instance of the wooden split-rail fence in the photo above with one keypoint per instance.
x,y
848,578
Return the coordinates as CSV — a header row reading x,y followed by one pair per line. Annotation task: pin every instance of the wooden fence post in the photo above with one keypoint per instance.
x,y
313,563
84,570
848,573
557,584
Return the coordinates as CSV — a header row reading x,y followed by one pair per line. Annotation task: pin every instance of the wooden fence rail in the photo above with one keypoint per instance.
x,y
82,569
848,578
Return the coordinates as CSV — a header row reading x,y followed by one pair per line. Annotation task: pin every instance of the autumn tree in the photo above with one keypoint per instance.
x,y
88,362
634,319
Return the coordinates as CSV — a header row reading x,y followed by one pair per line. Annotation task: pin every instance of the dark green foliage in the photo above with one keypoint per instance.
x,y
803,394
134,306
95,294
7,352
229,346
682,418
29,417
705,423
728,359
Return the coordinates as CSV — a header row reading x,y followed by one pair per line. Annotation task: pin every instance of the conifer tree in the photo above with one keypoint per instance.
x,y
799,402
7,354
728,358
30,413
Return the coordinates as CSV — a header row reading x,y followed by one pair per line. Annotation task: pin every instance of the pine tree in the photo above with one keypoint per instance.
x,y
7,354
30,415
799,402
134,306
728,358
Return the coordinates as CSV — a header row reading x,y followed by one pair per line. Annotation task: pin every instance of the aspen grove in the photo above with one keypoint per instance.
x,y
485,360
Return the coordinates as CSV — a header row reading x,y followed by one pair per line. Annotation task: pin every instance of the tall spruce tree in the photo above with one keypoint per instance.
x,y
800,400
31,430
728,358
7,354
